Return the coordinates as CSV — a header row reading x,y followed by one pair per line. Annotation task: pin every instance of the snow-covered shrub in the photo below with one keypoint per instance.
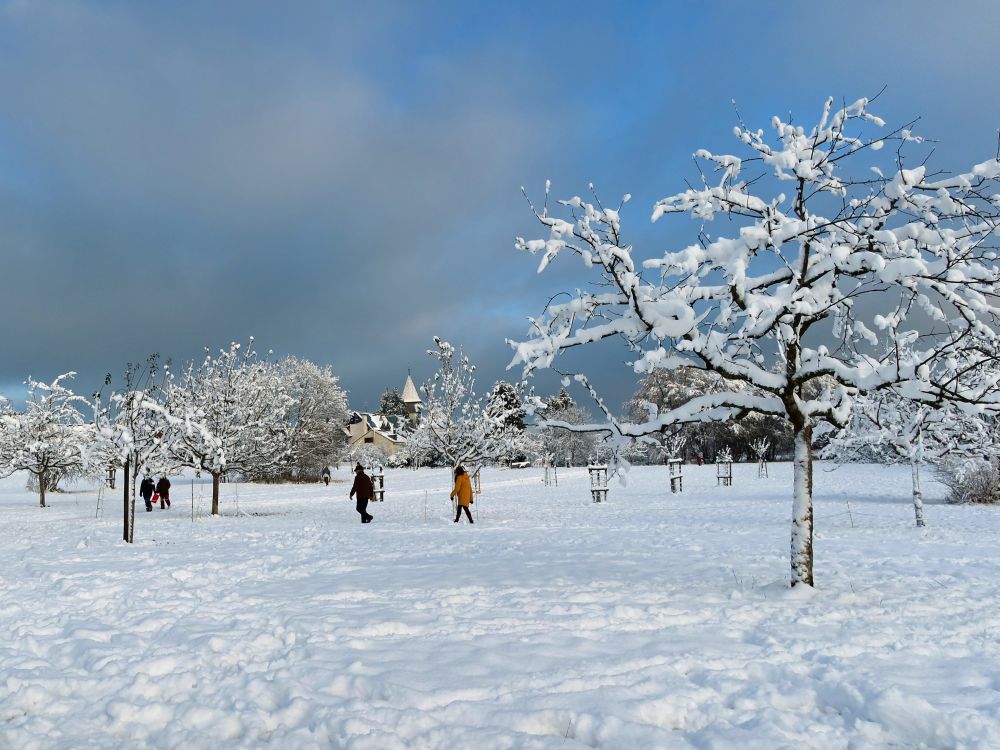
x,y
369,455
976,481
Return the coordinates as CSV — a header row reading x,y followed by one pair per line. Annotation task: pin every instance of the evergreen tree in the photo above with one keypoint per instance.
x,y
505,401
391,404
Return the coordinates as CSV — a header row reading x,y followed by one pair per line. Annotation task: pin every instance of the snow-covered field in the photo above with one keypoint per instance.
x,y
653,621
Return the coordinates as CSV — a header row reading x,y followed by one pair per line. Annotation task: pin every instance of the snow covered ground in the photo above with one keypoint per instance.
x,y
653,621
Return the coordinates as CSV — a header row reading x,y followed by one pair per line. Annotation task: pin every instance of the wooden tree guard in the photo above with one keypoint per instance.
x,y
762,469
676,480
724,473
598,483
111,477
551,478
378,483
477,482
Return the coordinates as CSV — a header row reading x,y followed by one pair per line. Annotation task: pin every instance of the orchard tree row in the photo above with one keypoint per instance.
x,y
232,412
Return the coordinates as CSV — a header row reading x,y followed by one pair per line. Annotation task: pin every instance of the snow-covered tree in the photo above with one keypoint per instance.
x,y
901,431
316,417
50,437
228,414
416,450
505,405
661,390
369,455
835,249
557,442
129,427
454,421
391,404
505,408
759,447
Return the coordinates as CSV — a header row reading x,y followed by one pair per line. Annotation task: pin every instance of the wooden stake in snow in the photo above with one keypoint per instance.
x,y
377,474
598,482
676,480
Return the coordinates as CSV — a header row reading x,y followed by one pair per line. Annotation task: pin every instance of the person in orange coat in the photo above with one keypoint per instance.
x,y
463,493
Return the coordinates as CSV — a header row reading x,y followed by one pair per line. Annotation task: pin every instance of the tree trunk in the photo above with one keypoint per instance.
x,y
41,489
802,509
125,507
215,494
918,498
130,482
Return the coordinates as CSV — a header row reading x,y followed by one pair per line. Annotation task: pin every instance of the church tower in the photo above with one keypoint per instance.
x,y
411,400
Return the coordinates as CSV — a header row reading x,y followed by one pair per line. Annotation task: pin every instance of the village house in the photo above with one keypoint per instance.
x,y
384,430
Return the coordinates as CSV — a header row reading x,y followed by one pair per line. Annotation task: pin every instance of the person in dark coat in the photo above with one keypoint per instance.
x,y
326,476
146,492
163,490
364,490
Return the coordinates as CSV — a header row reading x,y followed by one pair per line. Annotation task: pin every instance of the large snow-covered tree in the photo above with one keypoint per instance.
x,y
661,390
228,414
49,437
317,414
839,259
556,441
454,421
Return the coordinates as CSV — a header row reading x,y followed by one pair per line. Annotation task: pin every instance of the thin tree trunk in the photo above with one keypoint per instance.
x,y
215,494
41,489
125,507
130,480
802,509
918,498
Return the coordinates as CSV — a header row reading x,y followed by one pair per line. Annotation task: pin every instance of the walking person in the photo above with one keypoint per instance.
x,y
163,490
463,494
363,488
146,492
326,476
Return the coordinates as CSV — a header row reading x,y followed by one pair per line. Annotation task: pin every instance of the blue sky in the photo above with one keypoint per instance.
x,y
343,183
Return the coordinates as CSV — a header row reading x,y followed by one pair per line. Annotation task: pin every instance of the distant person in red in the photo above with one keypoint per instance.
x,y
699,459
163,490
363,488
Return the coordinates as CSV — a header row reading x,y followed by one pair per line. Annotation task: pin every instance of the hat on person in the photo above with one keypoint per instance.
x,y
358,468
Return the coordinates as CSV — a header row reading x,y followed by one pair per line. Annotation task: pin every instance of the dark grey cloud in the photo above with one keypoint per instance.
x,y
343,183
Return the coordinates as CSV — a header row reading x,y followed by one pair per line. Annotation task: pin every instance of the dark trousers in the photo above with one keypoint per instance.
x,y
458,513
149,502
362,507
164,501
